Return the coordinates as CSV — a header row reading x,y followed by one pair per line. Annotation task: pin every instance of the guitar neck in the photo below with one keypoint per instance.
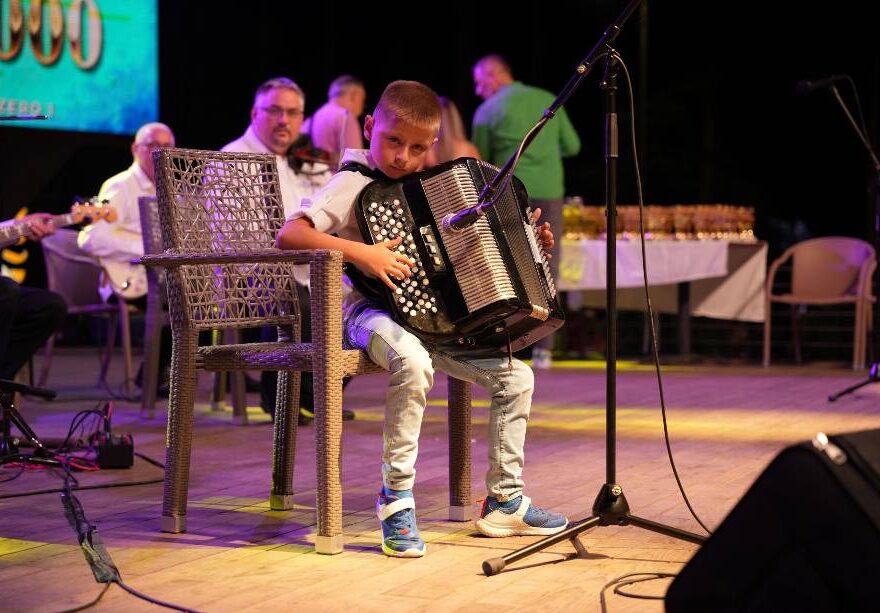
x,y
11,233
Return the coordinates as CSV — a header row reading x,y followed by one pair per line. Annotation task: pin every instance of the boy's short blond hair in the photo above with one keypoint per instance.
x,y
411,102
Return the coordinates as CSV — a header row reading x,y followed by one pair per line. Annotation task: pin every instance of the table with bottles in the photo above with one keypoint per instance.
x,y
702,260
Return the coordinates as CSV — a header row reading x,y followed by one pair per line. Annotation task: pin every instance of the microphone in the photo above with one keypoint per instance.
x,y
456,222
805,87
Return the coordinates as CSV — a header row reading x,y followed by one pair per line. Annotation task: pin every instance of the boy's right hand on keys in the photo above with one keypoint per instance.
x,y
384,262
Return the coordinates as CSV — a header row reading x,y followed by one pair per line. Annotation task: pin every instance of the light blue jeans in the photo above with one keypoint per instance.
x,y
412,365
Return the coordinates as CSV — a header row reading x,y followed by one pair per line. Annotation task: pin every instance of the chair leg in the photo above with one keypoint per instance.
x,y
125,327
238,390
328,452
218,390
237,386
108,350
859,337
460,488
796,333
767,331
152,349
23,376
179,432
47,361
284,447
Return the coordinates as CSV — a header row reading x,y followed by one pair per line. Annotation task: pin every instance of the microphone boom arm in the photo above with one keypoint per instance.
x,y
468,216
862,136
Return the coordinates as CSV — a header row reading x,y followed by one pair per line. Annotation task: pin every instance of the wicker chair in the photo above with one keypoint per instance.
x,y
157,317
220,213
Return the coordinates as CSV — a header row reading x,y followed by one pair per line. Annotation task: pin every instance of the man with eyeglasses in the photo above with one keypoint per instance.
x,y
120,241
276,120
116,244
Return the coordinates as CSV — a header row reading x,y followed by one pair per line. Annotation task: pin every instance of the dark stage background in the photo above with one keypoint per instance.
x,y
714,84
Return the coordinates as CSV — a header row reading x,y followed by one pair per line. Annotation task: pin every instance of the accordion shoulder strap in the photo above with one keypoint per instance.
x,y
369,288
373,173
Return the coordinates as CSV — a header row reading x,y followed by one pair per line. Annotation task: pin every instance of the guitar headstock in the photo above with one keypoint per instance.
x,y
92,210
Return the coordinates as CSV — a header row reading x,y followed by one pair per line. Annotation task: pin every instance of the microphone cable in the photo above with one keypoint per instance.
x,y
654,349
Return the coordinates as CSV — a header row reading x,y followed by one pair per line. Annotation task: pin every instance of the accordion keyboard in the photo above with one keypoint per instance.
x,y
388,219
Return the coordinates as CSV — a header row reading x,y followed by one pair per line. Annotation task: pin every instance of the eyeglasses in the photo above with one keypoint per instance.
x,y
275,112
155,145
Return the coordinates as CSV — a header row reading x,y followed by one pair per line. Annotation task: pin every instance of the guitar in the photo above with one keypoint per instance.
x,y
80,212
128,280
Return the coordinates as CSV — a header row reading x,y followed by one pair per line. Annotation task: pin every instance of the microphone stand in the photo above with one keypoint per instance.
x,y
610,507
873,375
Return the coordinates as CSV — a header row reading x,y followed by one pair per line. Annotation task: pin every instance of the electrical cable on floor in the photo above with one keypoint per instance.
x,y
63,454
625,580
89,605
96,554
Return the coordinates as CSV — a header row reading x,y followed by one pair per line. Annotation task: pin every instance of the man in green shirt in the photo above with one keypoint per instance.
x,y
510,109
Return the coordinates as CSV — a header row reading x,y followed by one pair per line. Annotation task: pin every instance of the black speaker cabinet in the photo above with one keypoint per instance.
x,y
805,537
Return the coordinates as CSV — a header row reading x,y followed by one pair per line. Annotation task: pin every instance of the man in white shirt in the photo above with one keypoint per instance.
x,y
334,127
116,244
276,120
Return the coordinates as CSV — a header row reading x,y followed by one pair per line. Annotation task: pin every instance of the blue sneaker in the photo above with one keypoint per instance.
x,y
396,510
518,517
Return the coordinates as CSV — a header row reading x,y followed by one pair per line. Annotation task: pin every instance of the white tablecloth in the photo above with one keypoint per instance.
x,y
726,277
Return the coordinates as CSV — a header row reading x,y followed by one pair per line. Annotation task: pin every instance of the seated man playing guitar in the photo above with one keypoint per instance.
x,y
28,315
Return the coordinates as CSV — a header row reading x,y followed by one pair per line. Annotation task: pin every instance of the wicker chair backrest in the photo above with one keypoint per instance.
x,y
212,202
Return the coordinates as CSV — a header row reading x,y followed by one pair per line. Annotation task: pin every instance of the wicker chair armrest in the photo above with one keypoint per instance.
x,y
268,256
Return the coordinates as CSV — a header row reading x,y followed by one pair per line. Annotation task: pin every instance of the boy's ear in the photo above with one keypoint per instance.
x,y
368,127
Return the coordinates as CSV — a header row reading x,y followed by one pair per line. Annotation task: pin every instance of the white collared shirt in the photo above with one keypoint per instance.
x,y
121,240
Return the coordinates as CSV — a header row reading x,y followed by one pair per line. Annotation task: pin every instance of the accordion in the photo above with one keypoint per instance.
x,y
487,286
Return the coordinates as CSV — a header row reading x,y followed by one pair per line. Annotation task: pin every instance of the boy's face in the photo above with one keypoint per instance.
x,y
397,148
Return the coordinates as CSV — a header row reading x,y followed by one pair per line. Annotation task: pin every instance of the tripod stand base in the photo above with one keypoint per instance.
x,y
872,378
9,416
609,509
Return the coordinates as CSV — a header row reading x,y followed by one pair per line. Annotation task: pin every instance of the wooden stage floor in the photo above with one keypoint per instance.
x,y
726,424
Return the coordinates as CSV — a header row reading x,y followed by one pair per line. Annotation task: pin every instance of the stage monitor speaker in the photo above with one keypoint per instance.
x,y
805,537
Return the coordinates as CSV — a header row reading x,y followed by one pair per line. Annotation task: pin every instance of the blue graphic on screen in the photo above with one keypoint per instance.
x,y
90,65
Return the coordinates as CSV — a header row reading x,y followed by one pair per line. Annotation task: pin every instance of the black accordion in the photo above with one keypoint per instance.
x,y
487,286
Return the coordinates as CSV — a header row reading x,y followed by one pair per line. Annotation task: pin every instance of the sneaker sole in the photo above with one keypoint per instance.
x,y
407,553
495,531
